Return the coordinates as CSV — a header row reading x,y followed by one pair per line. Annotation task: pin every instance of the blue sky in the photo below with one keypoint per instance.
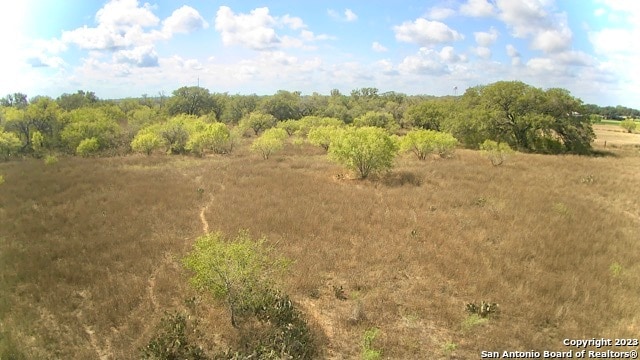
x,y
122,48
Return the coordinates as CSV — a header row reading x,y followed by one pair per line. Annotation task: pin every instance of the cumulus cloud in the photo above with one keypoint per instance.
x,y
516,58
440,13
254,30
144,56
184,20
348,16
377,47
483,52
549,31
430,62
477,8
257,30
120,24
485,39
425,32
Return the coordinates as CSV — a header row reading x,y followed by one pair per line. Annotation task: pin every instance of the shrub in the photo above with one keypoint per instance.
x,y
424,142
271,141
50,160
368,350
9,144
365,150
322,135
145,142
629,125
257,121
171,340
239,271
309,122
214,137
37,143
496,152
88,147
376,119
290,126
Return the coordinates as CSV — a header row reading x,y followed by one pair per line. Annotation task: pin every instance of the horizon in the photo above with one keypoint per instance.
x,y
127,48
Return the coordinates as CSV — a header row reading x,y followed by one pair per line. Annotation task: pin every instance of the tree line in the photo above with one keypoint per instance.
x,y
194,120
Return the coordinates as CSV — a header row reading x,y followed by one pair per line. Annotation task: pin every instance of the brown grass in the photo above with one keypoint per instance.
x,y
90,249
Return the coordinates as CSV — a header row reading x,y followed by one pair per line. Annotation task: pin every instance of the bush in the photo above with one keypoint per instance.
x,y
323,135
88,147
368,350
271,141
50,160
365,150
496,152
628,125
145,143
171,341
376,119
242,273
9,144
215,137
424,142
290,126
37,143
257,121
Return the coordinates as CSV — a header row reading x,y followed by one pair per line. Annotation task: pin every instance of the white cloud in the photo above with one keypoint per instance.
x,y
516,58
614,40
143,56
448,55
440,13
425,32
485,39
426,62
477,8
254,30
349,15
377,47
483,52
184,20
534,19
293,22
126,13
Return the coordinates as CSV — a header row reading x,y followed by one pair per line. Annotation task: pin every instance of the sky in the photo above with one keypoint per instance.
x,y
127,48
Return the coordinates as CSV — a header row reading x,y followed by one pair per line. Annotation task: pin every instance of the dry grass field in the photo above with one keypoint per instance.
x,y
90,250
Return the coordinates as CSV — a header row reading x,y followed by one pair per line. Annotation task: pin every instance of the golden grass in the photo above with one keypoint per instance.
x,y
614,135
90,249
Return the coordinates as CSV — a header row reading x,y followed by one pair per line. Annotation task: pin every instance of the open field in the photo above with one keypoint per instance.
x,y
90,249
615,135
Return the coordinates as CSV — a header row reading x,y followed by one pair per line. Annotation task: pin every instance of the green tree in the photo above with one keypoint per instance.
x,y
426,115
323,135
190,100
365,150
496,152
37,143
239,271
87,123
88,147
215,137
43,115
425,142
283,105
290,126
9,144
78,100
376,118
146,142
258,121
574,130
628,125
309,122
272,140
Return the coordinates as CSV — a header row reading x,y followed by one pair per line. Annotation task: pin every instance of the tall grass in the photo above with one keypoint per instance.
x,y
90,249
